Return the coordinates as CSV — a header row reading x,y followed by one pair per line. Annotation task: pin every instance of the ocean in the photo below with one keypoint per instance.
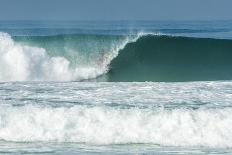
x,y
116,87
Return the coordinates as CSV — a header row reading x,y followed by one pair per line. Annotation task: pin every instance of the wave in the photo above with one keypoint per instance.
x,y
104,125
172,58
142,57
52,58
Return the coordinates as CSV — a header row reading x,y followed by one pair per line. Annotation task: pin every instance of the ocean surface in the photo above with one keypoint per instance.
x,y
116,87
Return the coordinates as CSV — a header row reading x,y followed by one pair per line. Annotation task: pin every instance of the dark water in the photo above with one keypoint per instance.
x,y
169,58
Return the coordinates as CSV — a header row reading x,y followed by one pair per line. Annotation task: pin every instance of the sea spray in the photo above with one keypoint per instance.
x,y
23,62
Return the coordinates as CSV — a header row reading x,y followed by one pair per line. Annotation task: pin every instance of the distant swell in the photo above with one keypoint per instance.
x,y
142,57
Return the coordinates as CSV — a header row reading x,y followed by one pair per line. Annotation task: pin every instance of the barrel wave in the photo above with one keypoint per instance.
x,y
114,58
171,58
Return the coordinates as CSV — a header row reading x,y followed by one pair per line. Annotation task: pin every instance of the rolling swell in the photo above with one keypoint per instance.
x,y
169,58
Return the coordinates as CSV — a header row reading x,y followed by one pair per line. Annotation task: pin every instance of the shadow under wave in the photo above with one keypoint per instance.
x,y
165,58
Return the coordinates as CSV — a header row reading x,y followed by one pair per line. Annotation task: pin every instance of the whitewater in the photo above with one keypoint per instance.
x,y
118,113
96,88
28,63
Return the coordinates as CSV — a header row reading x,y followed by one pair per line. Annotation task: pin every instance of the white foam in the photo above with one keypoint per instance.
x,y
102,125
26,63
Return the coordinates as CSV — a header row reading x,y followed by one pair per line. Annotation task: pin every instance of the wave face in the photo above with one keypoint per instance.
x,y
170,58
142,57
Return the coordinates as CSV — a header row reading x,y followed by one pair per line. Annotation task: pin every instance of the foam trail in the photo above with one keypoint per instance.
x,y
102,125
26,63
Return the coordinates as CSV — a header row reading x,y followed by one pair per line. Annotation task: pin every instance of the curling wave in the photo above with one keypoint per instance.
x,y
144,57
172,58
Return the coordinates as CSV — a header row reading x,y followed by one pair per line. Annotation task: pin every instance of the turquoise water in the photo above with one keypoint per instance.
x,y
142,87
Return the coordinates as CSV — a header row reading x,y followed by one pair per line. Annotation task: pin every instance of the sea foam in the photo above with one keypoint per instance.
x,y
104,125
19,62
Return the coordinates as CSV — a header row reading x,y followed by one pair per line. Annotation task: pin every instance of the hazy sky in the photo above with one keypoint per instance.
x,y
115,9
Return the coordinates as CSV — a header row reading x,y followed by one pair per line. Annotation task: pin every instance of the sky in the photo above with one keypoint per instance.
x,y
115,9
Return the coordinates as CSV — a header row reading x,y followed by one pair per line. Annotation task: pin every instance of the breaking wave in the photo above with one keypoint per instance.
x,y
143,57
172,58
25,61
104,125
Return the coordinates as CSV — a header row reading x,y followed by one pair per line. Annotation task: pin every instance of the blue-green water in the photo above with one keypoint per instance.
x,y
119,87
